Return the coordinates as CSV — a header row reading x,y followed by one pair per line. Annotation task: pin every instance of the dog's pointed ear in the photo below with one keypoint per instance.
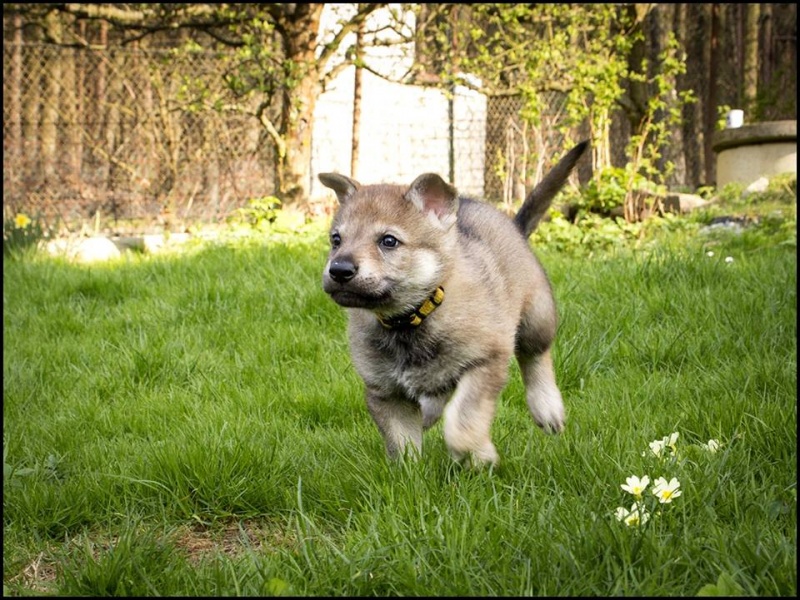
x,y
343,186
435,197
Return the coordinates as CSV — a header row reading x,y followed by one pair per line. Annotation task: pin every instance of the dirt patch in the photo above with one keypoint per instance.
x,y
39,576
232,539
197,541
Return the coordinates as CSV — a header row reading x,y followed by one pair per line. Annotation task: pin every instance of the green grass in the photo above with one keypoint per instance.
x,y
192,425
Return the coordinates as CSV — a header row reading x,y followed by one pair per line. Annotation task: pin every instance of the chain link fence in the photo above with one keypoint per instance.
x,y
119,133
518,154
128,135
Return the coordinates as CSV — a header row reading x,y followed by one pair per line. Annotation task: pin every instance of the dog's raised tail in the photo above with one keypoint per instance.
x,y
538,201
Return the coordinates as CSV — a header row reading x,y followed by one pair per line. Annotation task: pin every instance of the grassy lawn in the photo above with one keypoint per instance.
x,y
191,425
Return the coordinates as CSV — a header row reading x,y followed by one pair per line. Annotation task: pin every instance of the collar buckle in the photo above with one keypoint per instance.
x,y
417,316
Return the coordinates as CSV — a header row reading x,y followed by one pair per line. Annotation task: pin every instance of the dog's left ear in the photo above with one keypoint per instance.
x,y
435,197
343,186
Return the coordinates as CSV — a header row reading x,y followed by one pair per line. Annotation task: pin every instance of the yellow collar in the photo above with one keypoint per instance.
x,y
416,317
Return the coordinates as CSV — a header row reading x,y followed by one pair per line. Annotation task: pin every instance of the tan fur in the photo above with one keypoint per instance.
x,y
392,246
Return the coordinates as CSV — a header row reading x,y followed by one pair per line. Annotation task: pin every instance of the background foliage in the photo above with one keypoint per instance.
x,y
172,113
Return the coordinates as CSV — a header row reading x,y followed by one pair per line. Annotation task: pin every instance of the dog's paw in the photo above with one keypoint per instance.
x,y
486,456
550,416
547,408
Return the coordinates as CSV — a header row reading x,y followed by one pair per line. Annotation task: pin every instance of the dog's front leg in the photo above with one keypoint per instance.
x,y
399,420
469,414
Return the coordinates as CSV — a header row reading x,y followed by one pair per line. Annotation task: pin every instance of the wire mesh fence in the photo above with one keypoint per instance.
x,y
119,131
135,135
518,153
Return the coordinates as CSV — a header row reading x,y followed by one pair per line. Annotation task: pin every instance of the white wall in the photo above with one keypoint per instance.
x,y
404,129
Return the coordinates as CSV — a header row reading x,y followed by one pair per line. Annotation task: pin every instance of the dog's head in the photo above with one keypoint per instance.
x,y
390,244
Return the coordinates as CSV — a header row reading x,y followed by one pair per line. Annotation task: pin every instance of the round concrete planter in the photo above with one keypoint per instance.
x,y
747,153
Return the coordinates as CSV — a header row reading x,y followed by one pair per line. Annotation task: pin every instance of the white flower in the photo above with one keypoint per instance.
x,y
635,485
728,259
656,447
637,515
666,491
710,253
712,446
671,440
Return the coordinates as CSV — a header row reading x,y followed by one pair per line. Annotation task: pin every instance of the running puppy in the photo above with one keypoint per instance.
x,y
442,291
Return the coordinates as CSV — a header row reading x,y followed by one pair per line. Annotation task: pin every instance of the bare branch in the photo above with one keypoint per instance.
x,y
364,10
269,126
206,18
109,12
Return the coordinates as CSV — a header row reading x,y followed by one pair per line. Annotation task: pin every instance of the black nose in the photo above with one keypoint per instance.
x,y
342,270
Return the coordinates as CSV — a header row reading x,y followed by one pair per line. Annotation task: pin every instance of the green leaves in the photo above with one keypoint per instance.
x,y
13,475
725,586
259,212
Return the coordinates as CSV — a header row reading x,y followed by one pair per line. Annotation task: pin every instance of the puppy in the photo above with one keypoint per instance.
x,y
441,292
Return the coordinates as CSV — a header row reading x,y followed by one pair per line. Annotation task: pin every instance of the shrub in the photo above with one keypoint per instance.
x,y
258,213
608,190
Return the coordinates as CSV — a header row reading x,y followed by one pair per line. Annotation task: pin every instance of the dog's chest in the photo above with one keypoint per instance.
x,y
419,363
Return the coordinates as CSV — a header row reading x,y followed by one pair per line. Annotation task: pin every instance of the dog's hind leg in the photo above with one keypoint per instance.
x,y
535,336
541,391
399,421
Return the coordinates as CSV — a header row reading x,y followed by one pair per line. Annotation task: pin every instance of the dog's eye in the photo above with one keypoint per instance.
x,y
389,241
336,240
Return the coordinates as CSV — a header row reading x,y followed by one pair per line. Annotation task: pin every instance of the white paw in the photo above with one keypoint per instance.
x,y
548,410
486,456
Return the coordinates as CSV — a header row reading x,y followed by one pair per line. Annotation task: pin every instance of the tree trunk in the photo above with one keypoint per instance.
x,y
783,76
357,76
113,131
31,110
637,90
12,144
690,27
750,62
712,81
768,51
81,106
149,136
294,164
98,128
71,149
50,116
662,23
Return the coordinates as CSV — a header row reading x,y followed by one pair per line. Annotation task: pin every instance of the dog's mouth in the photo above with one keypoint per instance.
x,y
353,299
